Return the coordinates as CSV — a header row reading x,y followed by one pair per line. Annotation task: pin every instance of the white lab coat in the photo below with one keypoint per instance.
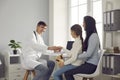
x,y
32,52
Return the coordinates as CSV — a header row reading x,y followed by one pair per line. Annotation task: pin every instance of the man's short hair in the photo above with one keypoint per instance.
x,y
41,23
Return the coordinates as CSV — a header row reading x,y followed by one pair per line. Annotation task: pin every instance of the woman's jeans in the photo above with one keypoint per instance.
x,y
86,68
59,72
42,72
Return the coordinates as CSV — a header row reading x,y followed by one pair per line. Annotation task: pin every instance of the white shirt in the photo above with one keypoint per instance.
x,y
73,53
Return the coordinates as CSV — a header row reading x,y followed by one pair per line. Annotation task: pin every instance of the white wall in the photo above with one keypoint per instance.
x,y
111,4
19,17
58,22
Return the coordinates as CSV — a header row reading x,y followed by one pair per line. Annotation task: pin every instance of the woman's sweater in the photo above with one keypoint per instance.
x,y
91,55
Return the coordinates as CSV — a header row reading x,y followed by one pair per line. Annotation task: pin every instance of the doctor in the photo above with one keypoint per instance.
x,y
35,47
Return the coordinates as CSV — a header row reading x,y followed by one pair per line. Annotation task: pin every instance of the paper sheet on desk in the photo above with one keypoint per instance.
x,y
51,53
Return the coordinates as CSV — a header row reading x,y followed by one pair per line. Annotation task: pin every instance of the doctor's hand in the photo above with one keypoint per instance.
x,y
55,48
52,48
58,49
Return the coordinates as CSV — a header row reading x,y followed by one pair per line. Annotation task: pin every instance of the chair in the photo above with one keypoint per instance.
x,y
27,72
69,45
98,69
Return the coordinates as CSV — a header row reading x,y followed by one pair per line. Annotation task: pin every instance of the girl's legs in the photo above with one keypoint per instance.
x,y
59,72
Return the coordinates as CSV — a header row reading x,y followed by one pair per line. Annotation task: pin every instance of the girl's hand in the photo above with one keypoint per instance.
x,y
59,57
61,62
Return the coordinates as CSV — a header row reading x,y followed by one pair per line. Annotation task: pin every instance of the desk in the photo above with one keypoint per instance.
x,y
111,65
51,53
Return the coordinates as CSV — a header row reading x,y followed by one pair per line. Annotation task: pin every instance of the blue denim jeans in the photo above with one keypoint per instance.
x,y
42,72
86,68
58,74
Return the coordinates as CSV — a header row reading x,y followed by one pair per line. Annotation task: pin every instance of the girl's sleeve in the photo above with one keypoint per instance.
x,y
77,47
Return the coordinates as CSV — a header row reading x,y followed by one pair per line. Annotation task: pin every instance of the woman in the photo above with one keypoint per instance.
x,y
91,46
71,62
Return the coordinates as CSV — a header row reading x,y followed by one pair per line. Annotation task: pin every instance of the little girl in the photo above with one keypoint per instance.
x,y
71,62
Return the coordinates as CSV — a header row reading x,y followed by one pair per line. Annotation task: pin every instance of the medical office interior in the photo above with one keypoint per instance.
x,y
19,18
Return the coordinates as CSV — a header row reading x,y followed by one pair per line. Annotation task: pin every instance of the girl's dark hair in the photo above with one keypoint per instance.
x,y
78,30
90,27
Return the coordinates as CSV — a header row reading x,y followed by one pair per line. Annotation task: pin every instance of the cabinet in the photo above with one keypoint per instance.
x,y
2,67
111,20
13,69
111,65
111,61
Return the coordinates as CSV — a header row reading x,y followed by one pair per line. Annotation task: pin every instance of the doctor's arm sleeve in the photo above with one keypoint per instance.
x,y
38,47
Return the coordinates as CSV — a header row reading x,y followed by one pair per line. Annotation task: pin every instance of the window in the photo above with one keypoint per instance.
x,y
80,8
97,14
77,11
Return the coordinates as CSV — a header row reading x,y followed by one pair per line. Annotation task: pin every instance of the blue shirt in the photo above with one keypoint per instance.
x,y
91,55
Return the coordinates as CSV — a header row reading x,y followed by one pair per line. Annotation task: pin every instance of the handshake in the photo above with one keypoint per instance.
x,y
55,48
59,58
